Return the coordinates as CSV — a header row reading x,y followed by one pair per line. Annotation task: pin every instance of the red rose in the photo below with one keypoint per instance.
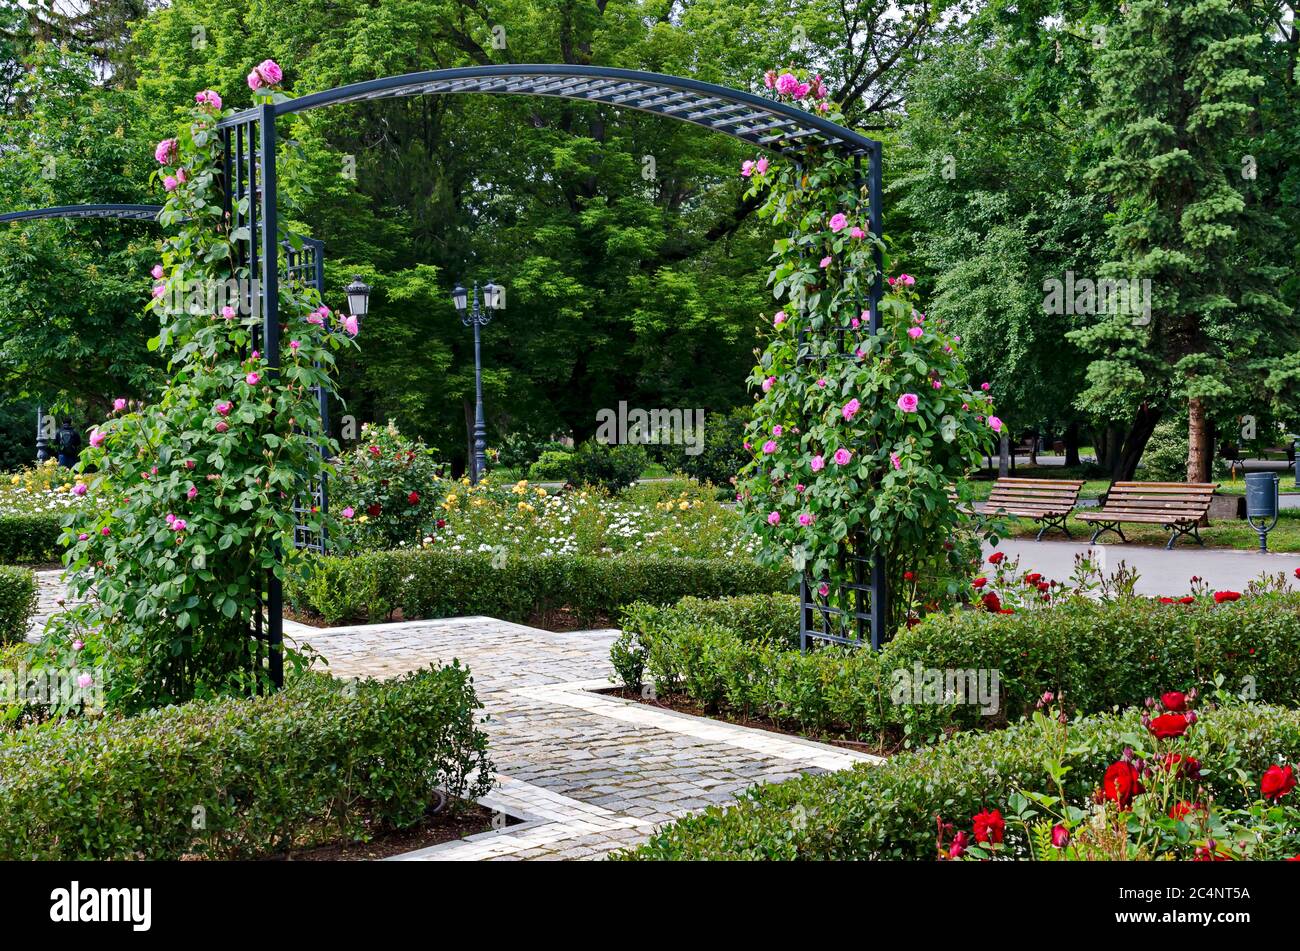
x,y
958,848
1033,578
996,558
1168,725
1297,574
414,498
442,523
1276,782
374,510
1221,596
979,582
1174,700
991,602
1167,601
1188,767
375,451
1060,836
1120,784
989,826
908,576
1187,599
1044,586
1179,811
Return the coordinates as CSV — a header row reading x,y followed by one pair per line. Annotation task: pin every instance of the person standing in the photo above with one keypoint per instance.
x,y
69,443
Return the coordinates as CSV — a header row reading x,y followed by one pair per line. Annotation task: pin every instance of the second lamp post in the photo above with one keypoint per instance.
x,y
471,315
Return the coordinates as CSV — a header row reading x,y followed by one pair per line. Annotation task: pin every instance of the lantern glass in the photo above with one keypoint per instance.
x,y
358,298
494,296
460,298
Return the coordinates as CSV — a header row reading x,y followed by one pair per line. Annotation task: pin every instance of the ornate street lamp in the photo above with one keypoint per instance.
x,y
358,298
471,315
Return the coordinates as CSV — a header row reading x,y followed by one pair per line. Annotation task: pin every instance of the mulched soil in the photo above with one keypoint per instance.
x,y
444,826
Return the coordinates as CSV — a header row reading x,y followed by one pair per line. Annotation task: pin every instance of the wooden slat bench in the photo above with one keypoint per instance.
x,y
1047,501
1177,506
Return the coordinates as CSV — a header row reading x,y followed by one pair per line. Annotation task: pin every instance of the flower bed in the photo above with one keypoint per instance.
x,y
317,762
431,584
33,504
891,811
741,655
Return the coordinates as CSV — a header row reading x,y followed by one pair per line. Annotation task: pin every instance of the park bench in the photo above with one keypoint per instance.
x,y
1177,506
1047,501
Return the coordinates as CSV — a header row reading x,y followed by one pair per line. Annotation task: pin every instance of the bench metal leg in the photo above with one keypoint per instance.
x,y
1052,521
1104,527
1181,530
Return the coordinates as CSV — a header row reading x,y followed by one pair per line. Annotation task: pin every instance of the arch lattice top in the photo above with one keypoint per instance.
x,y
763,122
129,212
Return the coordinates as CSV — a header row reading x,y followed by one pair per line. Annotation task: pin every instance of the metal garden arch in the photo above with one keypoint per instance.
x,y
250,182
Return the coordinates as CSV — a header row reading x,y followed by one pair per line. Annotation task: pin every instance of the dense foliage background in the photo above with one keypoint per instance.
x,y
633,262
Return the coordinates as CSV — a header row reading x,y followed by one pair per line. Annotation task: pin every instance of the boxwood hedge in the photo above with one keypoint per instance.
x,y
234,778
30,539
430,583
17,602
741,653
889,811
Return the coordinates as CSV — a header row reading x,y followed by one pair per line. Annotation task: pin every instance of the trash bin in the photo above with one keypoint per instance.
x,y
1262,504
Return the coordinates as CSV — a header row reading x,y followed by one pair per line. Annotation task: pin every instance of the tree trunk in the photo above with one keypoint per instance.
x,y
1198,442
1072,445
1135,442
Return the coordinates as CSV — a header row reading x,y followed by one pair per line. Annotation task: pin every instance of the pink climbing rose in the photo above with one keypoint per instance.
x,y
97,437
769,447
222,426
842,457
777,431
826,261
348,512
857,232
995,424
746,168
778,319
252,379
265,73
228,312
850,409
193,493
895,461
805,519
817,464
773,518
823,589
768,384
84,681
352,326
839,221
914,332
908,402
761,165
170,183
79,489
787,84
119,404
223,408
157,272
208,98
165,152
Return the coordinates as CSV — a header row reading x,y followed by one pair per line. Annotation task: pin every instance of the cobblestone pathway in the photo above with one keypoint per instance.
x,y
587,773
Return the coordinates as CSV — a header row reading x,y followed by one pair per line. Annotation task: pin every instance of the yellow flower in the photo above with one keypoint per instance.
x,y
684,506
525,507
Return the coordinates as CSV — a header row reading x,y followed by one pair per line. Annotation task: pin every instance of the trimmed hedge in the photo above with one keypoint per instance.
x,y
17,603
742,654
236,778
888,811
430,583
31,539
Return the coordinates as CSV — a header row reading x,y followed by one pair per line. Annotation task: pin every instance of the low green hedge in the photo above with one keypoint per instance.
x,y
318,761
742,654
17,602
430,583
30,539
889,811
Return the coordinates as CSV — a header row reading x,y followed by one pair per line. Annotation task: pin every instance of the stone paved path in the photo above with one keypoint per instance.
x,y
588,773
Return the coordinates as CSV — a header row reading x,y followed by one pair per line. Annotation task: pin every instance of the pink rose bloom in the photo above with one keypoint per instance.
x,y
170,183
895,461
157,272
82,537
821,384
223,408
97,438
222,426
842,457
768,384
352,326
914,332
208,98
159,291
119,404
965,406
778,319
857,232
266,73
777,431
823,107
769,78
182,176
256,354
84,681
908,402
179,525
823,589
79,489
761,165
189,463
322,311
802,91
165,152
826,261
805,519
787,84
228,312
956,338
850,409
907,279
106,531
348,512
193,493
769,447
294,345
817,464
800,487
984,386
839,221
252,379
317,319
254,81
855,323
77,644
995,424
938,385
746,168
773,518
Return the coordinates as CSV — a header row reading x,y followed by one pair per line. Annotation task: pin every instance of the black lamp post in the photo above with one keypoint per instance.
x,y
358,298
471,315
